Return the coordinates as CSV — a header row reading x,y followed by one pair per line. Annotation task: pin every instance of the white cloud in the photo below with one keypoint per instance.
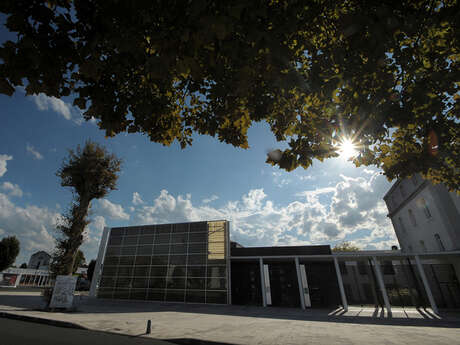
x,y
11,189
45,102
3,160
32,225
137,199
111,210
93,237
34,152
324,215
210,199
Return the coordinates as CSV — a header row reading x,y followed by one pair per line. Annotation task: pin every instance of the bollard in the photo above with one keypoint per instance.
x,y
149,327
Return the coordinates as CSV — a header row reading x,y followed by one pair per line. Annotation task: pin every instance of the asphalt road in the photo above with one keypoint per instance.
x,y
14,332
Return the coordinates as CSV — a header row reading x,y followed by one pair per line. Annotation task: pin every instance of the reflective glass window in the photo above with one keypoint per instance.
x,y
178,259
129,240
146,239
131,250
159,260
175,295
161,249
162,238
144,250
158,271
156,294
126,260
143,260
157,282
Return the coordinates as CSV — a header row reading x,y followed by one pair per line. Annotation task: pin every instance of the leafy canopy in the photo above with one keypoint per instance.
x,y
92,172
9,250
345,247
384,73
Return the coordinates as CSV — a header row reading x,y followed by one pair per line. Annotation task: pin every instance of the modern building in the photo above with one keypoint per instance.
x,y
197,263
425,217
39,260
14,277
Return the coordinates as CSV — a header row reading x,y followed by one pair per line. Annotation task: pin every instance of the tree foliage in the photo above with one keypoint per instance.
x,y
9,250
385,73
23,265
345,247
90,272
92,173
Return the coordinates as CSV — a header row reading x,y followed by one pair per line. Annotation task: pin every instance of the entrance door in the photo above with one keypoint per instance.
x,y
284,287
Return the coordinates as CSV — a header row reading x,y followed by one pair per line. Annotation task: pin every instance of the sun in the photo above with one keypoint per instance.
x,y
347,149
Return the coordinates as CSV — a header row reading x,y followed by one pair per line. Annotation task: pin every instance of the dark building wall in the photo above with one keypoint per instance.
x,y
184,262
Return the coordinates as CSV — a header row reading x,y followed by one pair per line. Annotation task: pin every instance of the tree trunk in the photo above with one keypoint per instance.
x,y
75,239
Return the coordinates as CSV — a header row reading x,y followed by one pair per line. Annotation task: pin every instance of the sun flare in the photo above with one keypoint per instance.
x,y
347,149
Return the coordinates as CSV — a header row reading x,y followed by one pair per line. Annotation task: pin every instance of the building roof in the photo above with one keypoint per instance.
x,y
39,252
281,251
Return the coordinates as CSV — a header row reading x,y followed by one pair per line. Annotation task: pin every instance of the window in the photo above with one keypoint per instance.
x,y
422,203
412,218
440,244
422,245
401,224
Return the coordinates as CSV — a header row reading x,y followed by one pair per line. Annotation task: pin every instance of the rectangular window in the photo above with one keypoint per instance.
x,y
422,204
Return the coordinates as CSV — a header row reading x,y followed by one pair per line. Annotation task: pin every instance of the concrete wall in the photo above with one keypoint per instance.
x,y
425,210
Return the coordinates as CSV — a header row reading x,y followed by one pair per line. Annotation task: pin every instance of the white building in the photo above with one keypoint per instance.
x,y
39,260
426,217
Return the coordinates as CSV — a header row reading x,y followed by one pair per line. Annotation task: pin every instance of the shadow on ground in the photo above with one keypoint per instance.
x,y
86,305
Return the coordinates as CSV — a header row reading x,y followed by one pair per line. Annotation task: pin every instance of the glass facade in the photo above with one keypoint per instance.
x,y
184,262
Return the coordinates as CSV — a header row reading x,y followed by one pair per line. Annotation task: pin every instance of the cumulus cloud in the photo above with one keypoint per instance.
x,y
45,102
210,199
33,226
323,215
34,152
137,199
11,189
3,160
111,210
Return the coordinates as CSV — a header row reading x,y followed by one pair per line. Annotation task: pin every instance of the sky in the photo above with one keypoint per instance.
x,y
328,203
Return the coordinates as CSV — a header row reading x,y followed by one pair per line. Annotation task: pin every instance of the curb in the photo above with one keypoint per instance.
x,y
50,322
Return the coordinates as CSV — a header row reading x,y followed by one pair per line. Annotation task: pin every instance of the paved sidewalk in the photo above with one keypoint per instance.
x,y
184,323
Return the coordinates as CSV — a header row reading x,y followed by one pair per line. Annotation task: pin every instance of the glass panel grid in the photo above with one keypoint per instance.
x,y
170,262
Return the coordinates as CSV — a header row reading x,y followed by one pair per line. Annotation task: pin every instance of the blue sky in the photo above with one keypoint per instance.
x,y
328,203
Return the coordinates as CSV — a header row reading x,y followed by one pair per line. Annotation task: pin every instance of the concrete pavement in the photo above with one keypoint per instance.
x,y
182,323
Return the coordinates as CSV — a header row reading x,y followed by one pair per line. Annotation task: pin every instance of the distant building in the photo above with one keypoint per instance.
x,y
425,217
39,261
